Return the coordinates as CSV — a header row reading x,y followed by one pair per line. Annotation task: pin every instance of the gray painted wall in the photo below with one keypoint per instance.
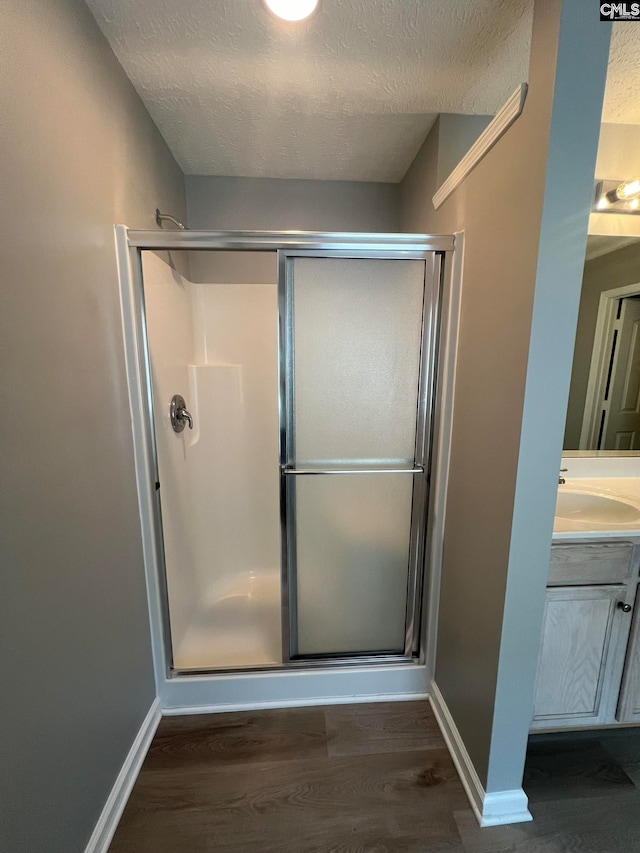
x,y
495,567
457,133
616,269
276,204
265,204
234,267
79,153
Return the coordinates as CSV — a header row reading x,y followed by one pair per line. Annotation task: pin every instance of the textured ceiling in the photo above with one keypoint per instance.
x,y
347,95
622,94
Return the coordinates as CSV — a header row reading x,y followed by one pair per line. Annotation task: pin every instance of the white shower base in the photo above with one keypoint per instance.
x,y
236,624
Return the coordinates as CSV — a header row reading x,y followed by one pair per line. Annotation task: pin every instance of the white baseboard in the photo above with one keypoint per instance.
x,y
503,807
494,809
117,799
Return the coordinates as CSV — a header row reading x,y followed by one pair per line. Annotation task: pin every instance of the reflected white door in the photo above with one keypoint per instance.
x,y
621,425
357,353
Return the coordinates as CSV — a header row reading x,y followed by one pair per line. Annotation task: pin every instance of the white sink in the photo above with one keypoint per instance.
x,y
595,508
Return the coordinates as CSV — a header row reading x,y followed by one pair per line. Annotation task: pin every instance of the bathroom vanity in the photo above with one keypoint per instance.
x,y
589,662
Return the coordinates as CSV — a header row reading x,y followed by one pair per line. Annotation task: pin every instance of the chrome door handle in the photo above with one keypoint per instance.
x,y
178,413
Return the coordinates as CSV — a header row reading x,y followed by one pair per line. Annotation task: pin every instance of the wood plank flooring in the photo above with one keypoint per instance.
x,y
371,777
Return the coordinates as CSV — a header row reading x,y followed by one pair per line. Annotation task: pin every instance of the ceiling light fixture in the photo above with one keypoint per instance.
x,y
291,10
618,196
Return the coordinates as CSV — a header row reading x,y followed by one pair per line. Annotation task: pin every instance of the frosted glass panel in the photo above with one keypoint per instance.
x,y
357,327
352,542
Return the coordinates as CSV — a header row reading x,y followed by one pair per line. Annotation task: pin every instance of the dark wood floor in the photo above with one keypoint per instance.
x,y
374,777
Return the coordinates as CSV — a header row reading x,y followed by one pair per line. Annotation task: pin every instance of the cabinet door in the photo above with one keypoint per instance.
x,y
581,657
629,707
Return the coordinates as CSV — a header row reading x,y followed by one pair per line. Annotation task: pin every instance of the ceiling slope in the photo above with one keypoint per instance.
x,y
348,95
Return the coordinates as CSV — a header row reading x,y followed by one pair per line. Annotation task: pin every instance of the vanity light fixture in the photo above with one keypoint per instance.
x,y
617,196
628,189
291,10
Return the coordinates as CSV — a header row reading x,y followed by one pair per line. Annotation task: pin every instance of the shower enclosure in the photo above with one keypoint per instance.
x,y
287,443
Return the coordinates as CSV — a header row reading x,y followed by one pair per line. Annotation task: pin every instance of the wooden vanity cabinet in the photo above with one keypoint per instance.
x,y
629,704
588,617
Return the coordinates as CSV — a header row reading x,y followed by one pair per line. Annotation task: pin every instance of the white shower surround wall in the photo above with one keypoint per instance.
x,y
216,345
322,685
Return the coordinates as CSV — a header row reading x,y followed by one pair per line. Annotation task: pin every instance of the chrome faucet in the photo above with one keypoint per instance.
x,y
561,479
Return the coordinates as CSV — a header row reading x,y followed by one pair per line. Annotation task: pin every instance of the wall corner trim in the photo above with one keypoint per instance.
x,y
501,122
491,809
117,799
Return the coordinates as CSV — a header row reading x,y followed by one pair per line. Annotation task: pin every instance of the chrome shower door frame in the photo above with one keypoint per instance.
x,y
420,470
129,247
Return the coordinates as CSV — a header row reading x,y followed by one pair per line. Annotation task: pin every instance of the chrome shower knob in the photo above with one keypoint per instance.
x,y
178,413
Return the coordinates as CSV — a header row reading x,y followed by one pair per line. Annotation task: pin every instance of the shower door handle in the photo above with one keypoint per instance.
x,y
294,472
178,413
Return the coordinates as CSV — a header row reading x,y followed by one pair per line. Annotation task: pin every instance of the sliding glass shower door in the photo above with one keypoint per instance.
x,y
357,350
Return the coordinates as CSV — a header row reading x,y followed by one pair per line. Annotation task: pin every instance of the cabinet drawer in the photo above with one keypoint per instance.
x,y
573,565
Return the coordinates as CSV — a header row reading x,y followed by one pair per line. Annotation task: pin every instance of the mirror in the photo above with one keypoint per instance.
x,y
604,400
603,415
